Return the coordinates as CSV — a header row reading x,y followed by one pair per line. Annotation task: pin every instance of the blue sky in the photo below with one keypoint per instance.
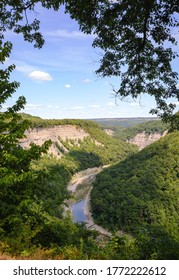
x,y
59,80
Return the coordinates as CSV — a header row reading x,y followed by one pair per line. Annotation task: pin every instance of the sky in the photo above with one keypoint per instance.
x,y
59,80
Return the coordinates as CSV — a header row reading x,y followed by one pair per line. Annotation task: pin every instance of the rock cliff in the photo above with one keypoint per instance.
x,y
55,133
142,139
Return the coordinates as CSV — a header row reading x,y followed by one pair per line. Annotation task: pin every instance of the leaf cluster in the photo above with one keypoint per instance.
x,y
133,37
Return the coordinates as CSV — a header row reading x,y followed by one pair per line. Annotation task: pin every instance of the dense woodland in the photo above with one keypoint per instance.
x,y
149,127
140,196
33,193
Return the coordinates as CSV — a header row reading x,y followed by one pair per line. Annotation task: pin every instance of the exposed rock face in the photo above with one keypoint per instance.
x,y
142,139
110,132
40,135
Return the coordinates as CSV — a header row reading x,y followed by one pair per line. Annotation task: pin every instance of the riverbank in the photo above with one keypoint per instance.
x,y
89,219
82,177
87,177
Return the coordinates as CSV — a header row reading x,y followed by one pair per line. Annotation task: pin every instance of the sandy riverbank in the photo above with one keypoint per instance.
x,y
88,176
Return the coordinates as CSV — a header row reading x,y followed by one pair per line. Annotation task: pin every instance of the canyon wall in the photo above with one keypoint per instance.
x,y
142,139
55,134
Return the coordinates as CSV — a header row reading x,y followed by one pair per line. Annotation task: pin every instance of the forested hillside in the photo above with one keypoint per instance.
x,y
140,197
34,191
88,146
138,193
148,127
140,132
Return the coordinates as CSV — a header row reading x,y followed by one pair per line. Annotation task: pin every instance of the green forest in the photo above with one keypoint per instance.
x,y
136,196
34,189
126,129
140,197
148,127
97,149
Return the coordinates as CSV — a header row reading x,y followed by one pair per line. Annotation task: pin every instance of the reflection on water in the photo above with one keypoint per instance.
x,y
78,211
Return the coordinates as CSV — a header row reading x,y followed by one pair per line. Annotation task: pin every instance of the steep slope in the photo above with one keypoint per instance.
x,y
55,133
142,192
143,139
142,134
79,141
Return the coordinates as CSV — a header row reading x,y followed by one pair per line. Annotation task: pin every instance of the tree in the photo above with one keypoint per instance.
x,y
136,37
137,41
16,177
14,161
14,16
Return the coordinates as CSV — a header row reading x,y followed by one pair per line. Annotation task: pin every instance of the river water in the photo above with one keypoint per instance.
x,y
83,177
78,211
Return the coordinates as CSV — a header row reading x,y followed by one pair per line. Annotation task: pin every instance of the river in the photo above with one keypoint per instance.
x,y
78,211
81,209
85,177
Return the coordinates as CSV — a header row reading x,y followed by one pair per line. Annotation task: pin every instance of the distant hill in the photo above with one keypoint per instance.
x,y
124,122
140,196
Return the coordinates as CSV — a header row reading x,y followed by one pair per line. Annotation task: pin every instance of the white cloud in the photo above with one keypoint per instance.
x,y
86,81
53,106
23,67
40,76
30,106
111,104
94,106
77,108
113,1
63,33
67,86
134,104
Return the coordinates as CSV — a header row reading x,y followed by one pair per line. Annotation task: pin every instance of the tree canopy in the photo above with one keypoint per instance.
x,y
137,38
140,196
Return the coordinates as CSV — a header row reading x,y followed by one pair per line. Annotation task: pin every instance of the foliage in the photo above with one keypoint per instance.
x,y
94,150
89,154
149,127
174,123
135,36
141,193
138,45
26,195
32,196
33,190
14,16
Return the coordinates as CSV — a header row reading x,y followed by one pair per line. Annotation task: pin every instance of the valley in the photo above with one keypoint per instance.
x,y
103,176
